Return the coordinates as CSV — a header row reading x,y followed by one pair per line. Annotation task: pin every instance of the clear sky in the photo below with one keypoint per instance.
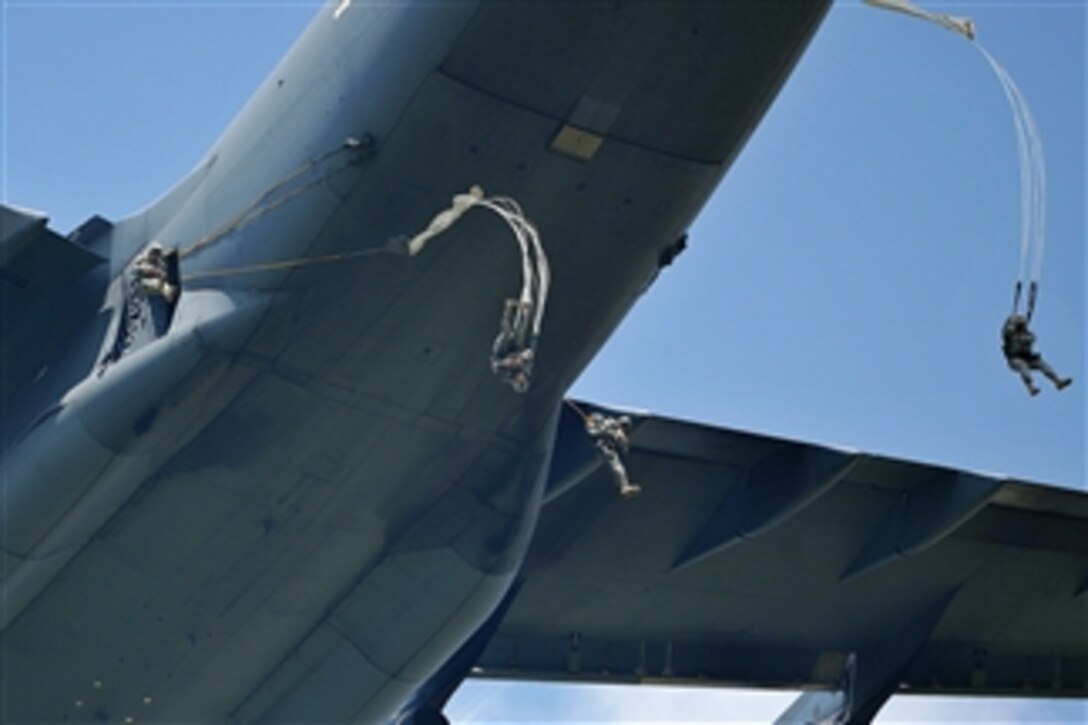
x,y
845,285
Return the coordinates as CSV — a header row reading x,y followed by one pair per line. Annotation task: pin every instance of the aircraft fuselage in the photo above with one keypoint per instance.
x,y
303,497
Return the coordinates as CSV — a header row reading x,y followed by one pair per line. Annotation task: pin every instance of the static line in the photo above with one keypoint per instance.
x,y
1032,175
341,9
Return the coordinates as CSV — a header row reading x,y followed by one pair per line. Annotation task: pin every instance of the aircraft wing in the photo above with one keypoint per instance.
x,y
754,561
37,270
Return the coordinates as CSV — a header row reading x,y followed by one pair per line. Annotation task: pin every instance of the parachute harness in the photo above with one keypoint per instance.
x,y
612,438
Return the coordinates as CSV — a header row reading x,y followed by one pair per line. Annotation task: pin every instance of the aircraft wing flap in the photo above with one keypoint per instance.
x,y
754,561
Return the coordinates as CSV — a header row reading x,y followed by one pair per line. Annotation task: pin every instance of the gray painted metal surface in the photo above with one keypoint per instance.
x,y
308,494
976,592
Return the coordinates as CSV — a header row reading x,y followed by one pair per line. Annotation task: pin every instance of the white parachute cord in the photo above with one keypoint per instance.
x,y
535,269
1036,170
1039,188
514,349
543,269
1032,176
534,265
528,272
544,272
1023,148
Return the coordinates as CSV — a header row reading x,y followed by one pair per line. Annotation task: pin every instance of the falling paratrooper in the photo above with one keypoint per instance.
x,y
1017,339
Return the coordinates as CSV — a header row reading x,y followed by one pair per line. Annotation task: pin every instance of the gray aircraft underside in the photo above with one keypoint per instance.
x,y
307,497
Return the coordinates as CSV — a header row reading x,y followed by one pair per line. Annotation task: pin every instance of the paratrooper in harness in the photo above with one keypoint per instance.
x,y
152,274
1017,342
611,438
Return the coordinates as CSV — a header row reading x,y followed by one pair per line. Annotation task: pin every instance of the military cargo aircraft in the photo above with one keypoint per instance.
x,y
284,482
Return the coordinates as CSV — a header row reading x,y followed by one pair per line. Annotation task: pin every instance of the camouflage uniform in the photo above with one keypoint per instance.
x,y
1017,342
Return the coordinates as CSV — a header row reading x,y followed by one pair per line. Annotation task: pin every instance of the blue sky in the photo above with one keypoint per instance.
x,y
845,285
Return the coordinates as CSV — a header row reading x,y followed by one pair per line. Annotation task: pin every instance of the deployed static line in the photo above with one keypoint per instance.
x,y
1029,149
514,350
1032,188
1017,341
